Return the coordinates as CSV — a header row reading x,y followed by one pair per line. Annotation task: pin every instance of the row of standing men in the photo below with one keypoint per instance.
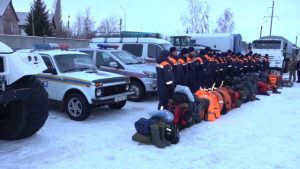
x,y
202,70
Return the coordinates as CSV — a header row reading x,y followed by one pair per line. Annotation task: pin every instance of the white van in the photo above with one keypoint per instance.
x,y
146,49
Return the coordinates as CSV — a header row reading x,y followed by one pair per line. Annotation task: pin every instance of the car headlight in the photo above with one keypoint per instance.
x,y
150,74
127,87
98,92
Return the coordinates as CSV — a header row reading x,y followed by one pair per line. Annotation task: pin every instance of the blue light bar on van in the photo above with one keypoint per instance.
x,y
107,46
45,46
199,45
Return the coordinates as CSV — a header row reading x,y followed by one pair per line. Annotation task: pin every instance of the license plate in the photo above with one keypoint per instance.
x,y
121,98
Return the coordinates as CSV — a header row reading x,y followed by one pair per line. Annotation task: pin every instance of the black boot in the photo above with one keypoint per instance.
x,y
276,91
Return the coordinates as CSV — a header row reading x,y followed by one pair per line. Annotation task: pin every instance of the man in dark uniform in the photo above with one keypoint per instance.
x,y
298,70
258,63
246,63
240,64
165,79
191,67
211,73
230,64
182,58
199,70
252,61
216,77
222,72
265,63
177,66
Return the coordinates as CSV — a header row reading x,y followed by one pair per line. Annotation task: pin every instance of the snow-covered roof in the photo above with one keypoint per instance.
x,y
211,35
23,16
3,6
131,40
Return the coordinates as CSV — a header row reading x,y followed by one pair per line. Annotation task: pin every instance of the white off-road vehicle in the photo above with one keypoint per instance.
x,y
23,98
73,79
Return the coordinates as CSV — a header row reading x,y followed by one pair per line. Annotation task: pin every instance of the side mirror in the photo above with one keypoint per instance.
x,y
249,46
50,70
113,64
285,45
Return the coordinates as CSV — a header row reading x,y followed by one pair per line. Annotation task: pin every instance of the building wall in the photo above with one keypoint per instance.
x,y
10,22
25,42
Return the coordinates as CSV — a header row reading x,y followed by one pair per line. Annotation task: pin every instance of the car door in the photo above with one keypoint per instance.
x,y
103,60
50,80
153,52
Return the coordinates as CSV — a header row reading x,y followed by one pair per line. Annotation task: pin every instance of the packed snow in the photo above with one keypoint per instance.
x,y
261,134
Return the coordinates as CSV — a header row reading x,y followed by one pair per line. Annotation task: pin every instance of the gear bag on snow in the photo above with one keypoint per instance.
x,y
142,126
172,133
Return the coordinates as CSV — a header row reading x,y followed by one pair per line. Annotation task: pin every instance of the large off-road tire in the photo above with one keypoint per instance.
x,y
118,105
77,107
138,88
23,118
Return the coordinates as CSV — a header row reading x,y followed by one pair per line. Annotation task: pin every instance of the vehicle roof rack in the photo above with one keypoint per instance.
x,y
127,34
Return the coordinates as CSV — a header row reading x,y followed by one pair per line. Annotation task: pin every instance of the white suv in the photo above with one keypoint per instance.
x,y
73,78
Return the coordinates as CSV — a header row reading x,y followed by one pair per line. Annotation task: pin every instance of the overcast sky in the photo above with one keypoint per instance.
x,y
163,16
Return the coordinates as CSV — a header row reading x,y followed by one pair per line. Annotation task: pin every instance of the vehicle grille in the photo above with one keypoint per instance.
x,y
271,57
111,90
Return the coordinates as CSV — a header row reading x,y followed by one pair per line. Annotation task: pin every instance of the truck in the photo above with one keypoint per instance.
x,y
145,46
23,98
184,41
279,49
222,41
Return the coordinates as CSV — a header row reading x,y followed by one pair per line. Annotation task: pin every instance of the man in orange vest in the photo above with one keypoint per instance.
x,y
199,70
165,79
191,67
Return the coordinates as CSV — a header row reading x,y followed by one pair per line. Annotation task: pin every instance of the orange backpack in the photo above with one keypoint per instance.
x,y
220,99
273,80
226,97
213,110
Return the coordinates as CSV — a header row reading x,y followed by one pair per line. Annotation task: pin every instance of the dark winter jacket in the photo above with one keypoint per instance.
x,y
185,69
293,64
177,69
265,63
165,76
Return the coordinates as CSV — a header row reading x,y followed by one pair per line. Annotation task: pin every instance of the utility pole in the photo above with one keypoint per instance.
x,y
68,27
32,18
120,26
271,17
124,17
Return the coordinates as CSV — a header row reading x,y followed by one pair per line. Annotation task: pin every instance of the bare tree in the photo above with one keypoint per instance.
x,y
109,25
84,26
196,17
58,19
225,22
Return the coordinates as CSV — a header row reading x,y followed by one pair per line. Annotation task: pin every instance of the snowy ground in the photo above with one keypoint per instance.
x,y
262,134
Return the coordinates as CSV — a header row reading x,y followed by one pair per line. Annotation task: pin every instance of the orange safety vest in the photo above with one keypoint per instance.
x,y
273,80
163,64
213,111
181,61
174,61
200,59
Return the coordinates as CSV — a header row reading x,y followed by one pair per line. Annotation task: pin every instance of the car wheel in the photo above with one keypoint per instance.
x,y
118,105
139,90
77,107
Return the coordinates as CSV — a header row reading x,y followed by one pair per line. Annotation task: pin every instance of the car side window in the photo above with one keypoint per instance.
x,y
153,51
103,59
90,53
47,62
136,49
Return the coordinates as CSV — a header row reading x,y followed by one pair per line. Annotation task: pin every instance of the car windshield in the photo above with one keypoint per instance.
x,y
166,46
69,63
268,45
126,57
